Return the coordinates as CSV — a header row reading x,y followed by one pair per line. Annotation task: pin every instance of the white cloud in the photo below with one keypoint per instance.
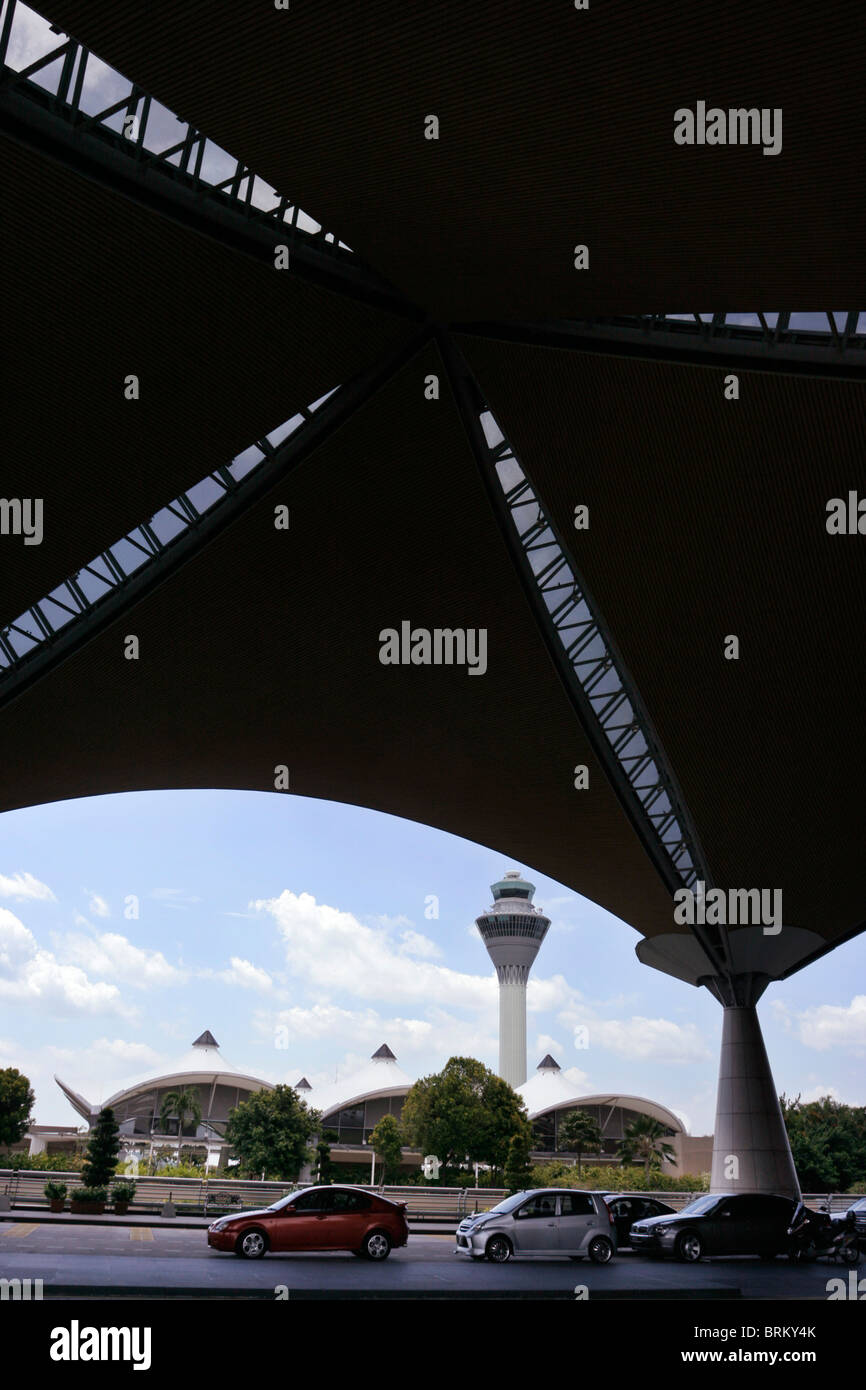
x,y
432,1039
415,944
833,1025
649,1039
22,887
31,975
246,975
332,950
381,919
580,1078
114,955
98,906
819,1092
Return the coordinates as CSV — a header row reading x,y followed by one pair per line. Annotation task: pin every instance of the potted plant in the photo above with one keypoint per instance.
x,y
56,1194
121,1195
89,1201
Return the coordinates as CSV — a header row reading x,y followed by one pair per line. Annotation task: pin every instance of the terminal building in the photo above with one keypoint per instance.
x,y
351,1107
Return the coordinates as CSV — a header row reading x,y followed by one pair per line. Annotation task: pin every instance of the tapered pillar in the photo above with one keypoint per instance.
x,y
751,1152
512,1023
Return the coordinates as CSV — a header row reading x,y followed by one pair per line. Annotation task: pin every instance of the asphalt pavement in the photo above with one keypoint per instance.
x,y
98,1261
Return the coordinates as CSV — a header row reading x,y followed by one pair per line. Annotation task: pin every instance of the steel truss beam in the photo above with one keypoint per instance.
x,y
779,348
590,667
106,589
54,125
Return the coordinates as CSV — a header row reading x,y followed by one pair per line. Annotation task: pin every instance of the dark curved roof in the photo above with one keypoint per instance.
x,y
707,515
556,128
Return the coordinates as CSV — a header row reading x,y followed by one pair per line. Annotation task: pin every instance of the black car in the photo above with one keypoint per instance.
x,y
857,1213
720,1225
627,1209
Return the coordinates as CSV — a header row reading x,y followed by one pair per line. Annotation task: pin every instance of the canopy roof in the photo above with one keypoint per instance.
x,y
381,1076
534,154
202,1063
259,646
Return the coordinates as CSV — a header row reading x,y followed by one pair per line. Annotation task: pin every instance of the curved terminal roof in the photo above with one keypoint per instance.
x,y
201,1064
549,1090
379,1077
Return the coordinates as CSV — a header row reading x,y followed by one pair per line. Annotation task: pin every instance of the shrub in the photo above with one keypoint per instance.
x,y
123,1192
43,1163
615,1179
90,1194
55,1191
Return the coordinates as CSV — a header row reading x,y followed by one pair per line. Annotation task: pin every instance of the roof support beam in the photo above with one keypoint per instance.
x,y
165,558
728,346
58,129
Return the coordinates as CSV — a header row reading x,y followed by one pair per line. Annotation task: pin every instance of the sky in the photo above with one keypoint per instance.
x,y
305,933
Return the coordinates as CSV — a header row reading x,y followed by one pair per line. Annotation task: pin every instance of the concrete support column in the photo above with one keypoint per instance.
x,y
751,1152
512,1023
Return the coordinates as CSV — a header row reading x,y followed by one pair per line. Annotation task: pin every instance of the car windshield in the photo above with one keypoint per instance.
x,y
510,1202
859,1206
282,1202
699,1207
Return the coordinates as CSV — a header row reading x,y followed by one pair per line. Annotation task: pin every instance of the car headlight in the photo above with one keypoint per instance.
x,y
219,1225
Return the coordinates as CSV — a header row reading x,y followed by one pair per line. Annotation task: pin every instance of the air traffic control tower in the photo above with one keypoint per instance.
x,y
512,930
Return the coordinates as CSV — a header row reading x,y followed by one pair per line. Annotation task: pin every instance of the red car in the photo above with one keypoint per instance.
x,y
318,1218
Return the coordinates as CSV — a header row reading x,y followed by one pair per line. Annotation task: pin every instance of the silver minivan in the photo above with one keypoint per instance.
x,y
558,1221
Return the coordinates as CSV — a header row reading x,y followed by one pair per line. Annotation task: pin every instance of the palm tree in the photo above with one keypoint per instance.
x,y
645,1143
183,1102
578,1132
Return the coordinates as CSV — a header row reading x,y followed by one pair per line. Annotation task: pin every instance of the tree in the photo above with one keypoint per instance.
x,y
464,1113
102,1150
645,1143
270,1132
828,1142
518,1168
579,1133
387,1142
16,1102
182,1102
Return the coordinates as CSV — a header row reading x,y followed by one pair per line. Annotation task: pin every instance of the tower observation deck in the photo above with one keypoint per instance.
x,y
512,929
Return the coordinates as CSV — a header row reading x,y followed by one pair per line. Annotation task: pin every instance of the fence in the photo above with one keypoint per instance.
x,y
198,1196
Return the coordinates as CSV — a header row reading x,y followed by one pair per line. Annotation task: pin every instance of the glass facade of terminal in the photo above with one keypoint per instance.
x,y
355,1123
612,1120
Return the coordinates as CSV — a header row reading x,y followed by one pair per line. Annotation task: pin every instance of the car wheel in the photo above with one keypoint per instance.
x,y
600,1250
689,1247
850,1255
252,1245
376,1246
498,1250
803,1255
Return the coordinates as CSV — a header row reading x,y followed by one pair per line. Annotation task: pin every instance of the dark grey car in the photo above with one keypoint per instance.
x,y
556,1221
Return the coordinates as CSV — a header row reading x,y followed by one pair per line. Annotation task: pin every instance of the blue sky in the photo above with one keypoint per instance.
x,y
261,915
